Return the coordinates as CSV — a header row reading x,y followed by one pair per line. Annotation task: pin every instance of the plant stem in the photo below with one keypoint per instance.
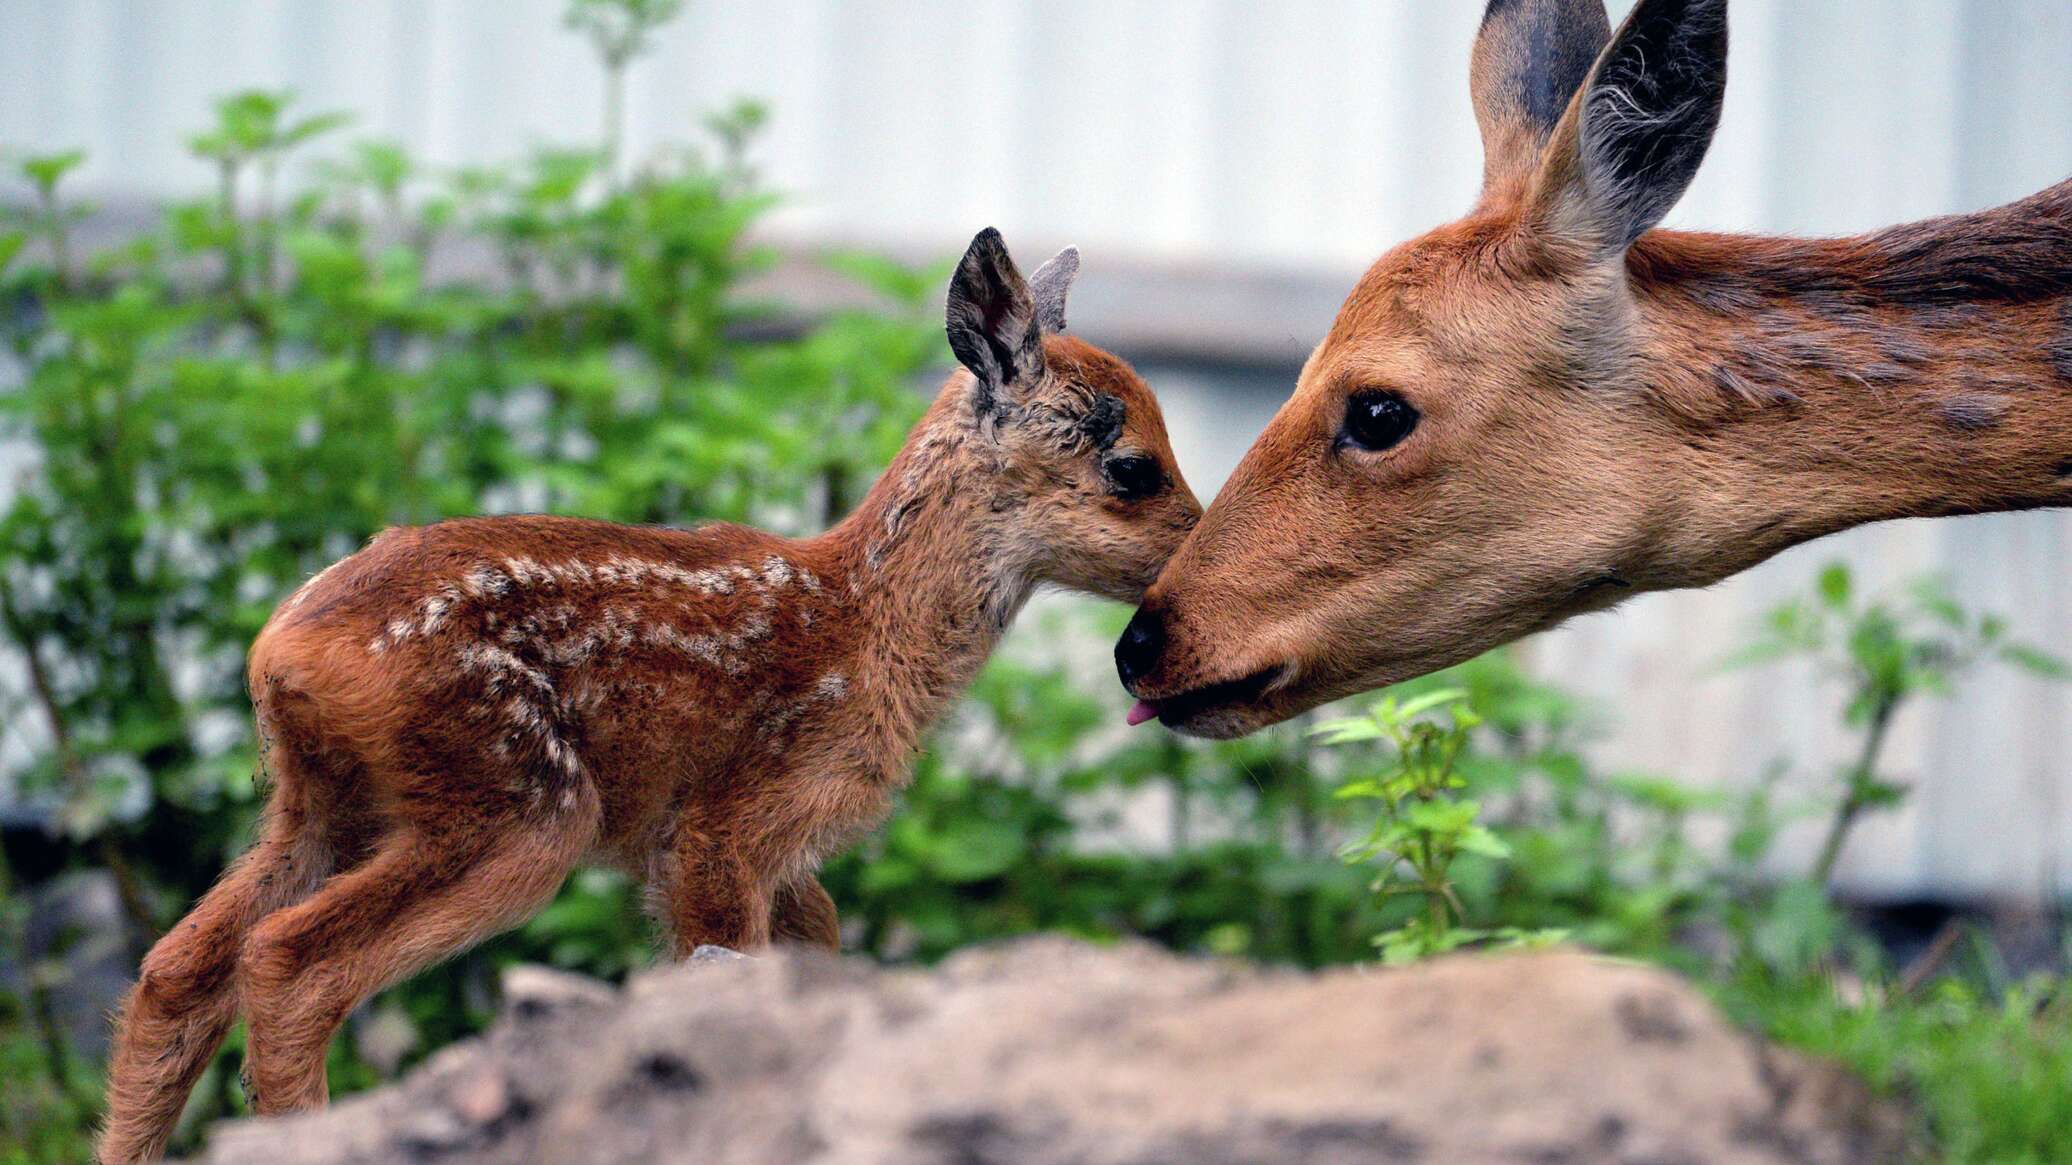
x,y
233,247
56,1059
1183,795
60,239
614,115
127,888
1858,795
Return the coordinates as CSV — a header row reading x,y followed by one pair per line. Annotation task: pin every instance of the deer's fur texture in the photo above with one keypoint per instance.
x,y
459,714
1606,409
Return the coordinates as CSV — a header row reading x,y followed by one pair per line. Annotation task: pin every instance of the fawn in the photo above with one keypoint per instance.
x,y
1550,406
456,716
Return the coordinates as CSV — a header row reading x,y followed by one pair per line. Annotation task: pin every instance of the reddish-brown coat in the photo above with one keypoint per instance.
x,y
1603,411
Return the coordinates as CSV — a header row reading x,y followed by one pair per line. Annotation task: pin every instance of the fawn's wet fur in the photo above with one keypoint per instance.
x,y
460,714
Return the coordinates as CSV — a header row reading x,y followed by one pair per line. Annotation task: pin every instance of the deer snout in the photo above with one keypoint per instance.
x,y
1143,642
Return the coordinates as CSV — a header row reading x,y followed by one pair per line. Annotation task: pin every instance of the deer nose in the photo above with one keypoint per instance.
x,y
1142,642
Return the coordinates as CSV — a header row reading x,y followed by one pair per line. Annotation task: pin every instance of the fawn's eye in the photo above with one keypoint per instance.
x,y
1377,419
1132,478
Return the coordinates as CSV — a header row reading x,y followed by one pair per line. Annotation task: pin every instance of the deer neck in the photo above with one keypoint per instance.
x,y
1923,371
932,570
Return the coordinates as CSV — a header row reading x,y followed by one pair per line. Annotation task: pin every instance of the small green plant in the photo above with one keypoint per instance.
x,y
1424,826
1885,653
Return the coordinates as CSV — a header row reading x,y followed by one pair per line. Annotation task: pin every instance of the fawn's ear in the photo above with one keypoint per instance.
x,y
1627,150
1051,284
992,322
1530,58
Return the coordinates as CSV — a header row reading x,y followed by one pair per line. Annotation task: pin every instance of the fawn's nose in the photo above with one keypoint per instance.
x,y
1142,642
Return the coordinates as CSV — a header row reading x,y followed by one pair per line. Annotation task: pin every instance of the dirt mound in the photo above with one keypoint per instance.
x,y
1049,1052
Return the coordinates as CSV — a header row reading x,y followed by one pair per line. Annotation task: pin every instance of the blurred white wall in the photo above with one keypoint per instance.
x,y
1222,141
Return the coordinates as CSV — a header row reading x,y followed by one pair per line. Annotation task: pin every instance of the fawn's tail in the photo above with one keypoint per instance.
x,y
185,998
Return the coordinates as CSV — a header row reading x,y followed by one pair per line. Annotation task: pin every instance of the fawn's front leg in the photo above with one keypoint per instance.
x,y
714,895
740,870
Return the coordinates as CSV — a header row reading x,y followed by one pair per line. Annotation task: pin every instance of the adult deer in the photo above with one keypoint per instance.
x,y
1547,407
459,714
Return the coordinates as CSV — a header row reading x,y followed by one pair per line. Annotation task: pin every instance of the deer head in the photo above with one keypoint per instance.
x,y
1548,406
1075,449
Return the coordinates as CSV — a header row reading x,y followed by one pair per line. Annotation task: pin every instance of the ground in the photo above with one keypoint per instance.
x,y
1047,1052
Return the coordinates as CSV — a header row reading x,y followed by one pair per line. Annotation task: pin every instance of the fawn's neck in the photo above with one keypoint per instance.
x,y
1923,371
934,573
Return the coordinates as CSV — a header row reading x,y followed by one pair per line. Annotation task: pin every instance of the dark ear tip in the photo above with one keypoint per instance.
x,y
987,242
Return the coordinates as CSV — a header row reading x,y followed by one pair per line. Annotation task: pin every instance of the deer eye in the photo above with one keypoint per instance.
x,y
1376,420
1132,478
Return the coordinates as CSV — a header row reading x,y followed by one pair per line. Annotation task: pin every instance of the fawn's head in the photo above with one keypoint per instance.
x,y
1083,476
1471,454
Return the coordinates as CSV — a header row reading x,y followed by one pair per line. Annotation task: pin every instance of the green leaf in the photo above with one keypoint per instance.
x,y
2037,662
1347,731
1479,840
46,170
1419,705
1446,818
310,128
1835,585
1798,927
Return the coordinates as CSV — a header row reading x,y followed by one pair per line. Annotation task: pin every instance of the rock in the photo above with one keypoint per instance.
x,y
532,991
1048,1052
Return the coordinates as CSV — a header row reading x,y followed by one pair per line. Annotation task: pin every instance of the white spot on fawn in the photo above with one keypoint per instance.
x,y
617,627
501,665
485,581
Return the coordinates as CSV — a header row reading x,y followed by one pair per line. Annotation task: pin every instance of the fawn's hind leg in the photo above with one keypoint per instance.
x,y
430,890
186,992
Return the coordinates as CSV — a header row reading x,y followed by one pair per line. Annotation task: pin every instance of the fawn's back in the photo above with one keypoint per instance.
x,y
639,661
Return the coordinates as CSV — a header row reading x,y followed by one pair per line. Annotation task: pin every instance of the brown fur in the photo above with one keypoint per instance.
x,y
1599,419
459,714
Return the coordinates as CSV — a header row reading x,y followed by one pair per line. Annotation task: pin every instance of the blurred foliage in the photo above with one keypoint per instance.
x,y
338,339
1884,653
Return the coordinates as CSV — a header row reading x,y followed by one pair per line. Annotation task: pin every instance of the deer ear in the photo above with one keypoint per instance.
x,y
1530,58
992,323
1627,151
1051,284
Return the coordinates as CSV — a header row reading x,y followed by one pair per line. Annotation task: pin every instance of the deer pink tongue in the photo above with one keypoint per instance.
x,y
1140,712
